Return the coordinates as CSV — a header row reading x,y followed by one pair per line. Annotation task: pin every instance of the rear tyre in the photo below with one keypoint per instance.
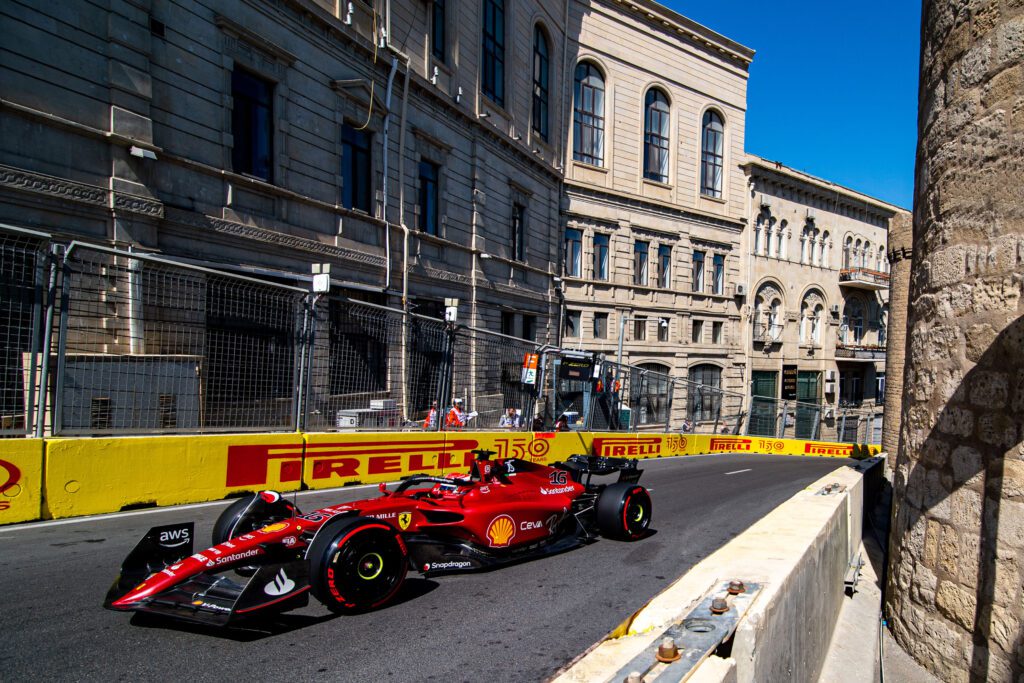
x,y
624,511
357,564
249,513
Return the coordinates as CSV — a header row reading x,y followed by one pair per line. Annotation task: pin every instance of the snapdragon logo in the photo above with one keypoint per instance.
x,y
453,564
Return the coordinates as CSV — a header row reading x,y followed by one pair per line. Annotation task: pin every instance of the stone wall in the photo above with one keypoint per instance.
x,y
901,235
955,582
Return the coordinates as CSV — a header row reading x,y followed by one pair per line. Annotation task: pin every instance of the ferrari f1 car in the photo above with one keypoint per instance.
x,y
268,557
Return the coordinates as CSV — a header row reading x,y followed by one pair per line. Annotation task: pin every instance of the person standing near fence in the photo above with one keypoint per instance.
x,y
456,417
430,424
510,420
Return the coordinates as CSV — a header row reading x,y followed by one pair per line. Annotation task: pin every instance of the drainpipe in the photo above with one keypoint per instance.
x,y
384,188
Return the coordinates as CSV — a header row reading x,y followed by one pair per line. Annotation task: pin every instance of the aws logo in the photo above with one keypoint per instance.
x,y
10,475
501,531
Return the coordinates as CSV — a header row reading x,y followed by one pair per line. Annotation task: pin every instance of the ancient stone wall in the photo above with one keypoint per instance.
x,y
901,235
955,582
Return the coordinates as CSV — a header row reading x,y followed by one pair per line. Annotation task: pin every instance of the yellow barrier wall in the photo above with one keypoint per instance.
x,y
90,476
21,480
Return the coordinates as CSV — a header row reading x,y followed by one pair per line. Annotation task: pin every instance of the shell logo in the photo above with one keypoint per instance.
x,y
271,528
501,530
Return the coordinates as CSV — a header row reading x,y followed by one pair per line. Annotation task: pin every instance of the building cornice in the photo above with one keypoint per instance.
x,y
618,200
790,177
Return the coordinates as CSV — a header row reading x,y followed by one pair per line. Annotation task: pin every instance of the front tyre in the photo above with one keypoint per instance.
x,y
251,512
357,564
624,511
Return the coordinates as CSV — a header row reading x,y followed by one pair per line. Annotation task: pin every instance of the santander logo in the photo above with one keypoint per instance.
x,y
281,585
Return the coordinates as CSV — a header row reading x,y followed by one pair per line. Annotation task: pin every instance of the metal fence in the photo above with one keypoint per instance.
x,y
128,343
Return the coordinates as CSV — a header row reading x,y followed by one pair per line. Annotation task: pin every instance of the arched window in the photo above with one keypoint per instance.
x,y
654,401
768,314
804,245
588,115
656,134
712,155
819,311
824,249
541,90
852,329
883,263
868,257
783,239
848,253
492,71
759,229
705,393
858,255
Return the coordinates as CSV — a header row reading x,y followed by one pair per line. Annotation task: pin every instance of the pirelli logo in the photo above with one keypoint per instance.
x,y
837,450
251,465
730,445
621,447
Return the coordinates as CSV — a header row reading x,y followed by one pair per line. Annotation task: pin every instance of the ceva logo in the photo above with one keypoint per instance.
x,y
10,475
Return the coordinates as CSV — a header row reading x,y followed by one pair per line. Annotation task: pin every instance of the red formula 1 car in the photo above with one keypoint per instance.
x,y
267,556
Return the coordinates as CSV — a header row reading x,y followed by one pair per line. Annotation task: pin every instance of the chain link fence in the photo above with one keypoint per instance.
x,y
24,268
142,344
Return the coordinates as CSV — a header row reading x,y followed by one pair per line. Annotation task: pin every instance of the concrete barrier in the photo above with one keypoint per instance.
x,y
799,553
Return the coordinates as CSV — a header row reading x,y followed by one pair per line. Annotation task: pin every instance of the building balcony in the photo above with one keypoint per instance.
x,y
862,278
854,352
766,333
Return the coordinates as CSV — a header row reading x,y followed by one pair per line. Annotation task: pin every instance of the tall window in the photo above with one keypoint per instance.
x,y
716,332
848,253
664,266
697,332
706,397
600,257
718,273
530,327
712,155
508,323
663,325
572,323
252,119
775,320
819,311
355,168
759,230
439,31
573,252
428,197
698,271
600,326
640,250
824,250
517,232
656,127
640,329
541,70
492,78
588,115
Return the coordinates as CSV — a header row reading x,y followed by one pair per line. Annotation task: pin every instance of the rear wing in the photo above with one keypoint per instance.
x,y
591,465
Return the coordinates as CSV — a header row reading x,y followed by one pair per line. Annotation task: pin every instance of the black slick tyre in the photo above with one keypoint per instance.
x,y
249,513
624,511
356,564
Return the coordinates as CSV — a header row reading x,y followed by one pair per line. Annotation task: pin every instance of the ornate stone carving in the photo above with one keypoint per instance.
x,y
16,178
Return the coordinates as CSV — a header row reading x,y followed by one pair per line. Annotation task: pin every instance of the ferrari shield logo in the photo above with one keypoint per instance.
x,y
404,518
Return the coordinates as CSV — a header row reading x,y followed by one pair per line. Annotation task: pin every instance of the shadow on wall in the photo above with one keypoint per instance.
x,y
961,509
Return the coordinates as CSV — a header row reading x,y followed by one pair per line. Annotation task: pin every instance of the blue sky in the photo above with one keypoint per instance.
x,y
833,86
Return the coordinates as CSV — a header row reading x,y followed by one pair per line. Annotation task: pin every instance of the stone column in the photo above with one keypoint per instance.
x,y
900,239
954,593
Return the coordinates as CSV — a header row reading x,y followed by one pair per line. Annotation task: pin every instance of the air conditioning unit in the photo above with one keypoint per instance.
x,y
830,375
741,289
830,387
835,309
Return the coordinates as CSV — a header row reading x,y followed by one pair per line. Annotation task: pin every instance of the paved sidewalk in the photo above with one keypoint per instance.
x,y
853,653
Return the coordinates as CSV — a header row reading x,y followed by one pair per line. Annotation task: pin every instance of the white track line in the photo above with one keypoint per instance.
x,y
737,472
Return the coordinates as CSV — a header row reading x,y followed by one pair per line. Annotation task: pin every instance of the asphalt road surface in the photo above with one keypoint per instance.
x,y
518,623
